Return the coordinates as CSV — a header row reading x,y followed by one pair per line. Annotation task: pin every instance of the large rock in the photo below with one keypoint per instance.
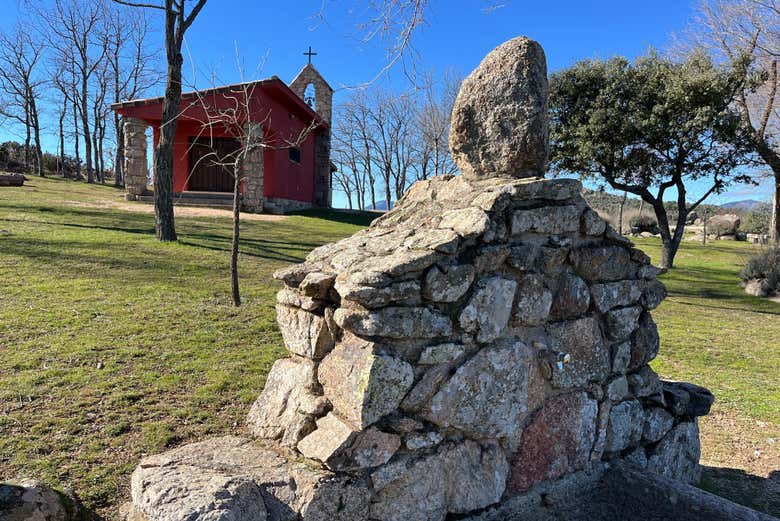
x,y
687,400
626,425
456,479
12,179
724,224
33,500
488,396
580,355
534,300
557,442
304,333
363,385
499,121
287,408
487,313
615,294
622,322
340,447
677,454
645,342
394,322
572,298
448,283
604,263
657,423
233,479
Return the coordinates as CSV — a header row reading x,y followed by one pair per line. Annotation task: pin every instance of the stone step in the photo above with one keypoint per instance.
x,y
207,199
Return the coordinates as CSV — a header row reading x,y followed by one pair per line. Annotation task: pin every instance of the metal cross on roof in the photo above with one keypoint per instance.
x,y
310,54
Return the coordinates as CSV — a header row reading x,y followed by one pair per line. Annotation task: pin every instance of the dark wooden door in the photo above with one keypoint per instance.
x,y
208,171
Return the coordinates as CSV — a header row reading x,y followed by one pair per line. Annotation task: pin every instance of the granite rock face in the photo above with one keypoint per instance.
x,y
487,336
33,500
499,120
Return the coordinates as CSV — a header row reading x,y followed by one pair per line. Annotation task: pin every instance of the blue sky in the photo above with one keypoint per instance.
x,y
458,34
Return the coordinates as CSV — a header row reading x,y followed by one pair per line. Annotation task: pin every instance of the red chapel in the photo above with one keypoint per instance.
x,y
291,172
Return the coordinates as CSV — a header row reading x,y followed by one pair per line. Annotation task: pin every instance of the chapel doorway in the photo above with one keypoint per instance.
x,y
208,171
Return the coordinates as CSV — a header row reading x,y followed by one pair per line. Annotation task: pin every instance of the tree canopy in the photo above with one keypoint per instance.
x,y
651,126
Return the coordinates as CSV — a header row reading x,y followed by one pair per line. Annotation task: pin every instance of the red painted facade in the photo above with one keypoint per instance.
x,y
284,117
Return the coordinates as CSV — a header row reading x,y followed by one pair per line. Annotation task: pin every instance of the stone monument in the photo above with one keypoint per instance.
x,y
487,337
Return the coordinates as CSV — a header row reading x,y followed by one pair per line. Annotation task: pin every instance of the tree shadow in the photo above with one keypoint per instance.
x,y
356,217
762,494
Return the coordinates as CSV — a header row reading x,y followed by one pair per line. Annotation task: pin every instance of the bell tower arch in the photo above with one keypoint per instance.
x,y
310,79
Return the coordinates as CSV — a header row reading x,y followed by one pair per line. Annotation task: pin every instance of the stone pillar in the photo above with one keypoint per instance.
x,y
322,181
253,169
136,164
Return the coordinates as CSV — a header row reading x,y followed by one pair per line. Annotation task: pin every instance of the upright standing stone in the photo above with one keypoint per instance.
x,y
499,122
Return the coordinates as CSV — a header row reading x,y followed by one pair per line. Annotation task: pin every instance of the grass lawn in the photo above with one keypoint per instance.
x,y
113,345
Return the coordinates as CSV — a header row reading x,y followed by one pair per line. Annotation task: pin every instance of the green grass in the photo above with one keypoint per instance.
x,y
715,334
113,345
82,287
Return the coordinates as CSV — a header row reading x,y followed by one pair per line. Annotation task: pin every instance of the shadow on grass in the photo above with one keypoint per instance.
x,y
148,230
727,308
758,493
358,218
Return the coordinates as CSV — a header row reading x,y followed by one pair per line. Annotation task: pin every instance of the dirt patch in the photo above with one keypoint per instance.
x,y
179,211
741,459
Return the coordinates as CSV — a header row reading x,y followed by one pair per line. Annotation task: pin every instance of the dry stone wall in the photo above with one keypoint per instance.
x,y
488,336
491,317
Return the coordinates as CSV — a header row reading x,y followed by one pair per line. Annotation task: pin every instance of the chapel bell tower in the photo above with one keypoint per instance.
x,y
312,88
308,80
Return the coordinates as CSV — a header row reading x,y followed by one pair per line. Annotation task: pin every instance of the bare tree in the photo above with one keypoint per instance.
x,y
73,31
235,113
353,149
733,30
433,120
178,18
20,61
132,71
100,114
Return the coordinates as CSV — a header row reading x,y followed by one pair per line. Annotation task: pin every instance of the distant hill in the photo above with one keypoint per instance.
x,y
745,205
382,205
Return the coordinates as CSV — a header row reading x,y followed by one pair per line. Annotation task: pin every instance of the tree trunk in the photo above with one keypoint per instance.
x,y
388,194
775,229
669,243
27,136
62,170
772,159
98,173
85,130
76,139
37,134
119,158
622,205
163,165
236,235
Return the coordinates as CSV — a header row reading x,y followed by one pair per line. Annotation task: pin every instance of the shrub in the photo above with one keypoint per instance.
x,y
757,221
643,223
763,265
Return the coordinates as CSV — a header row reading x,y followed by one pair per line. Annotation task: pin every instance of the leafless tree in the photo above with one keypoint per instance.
x,y
235,112
178,18
73,31
433,120
733,30
21,83
100,115
385,141
131,67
